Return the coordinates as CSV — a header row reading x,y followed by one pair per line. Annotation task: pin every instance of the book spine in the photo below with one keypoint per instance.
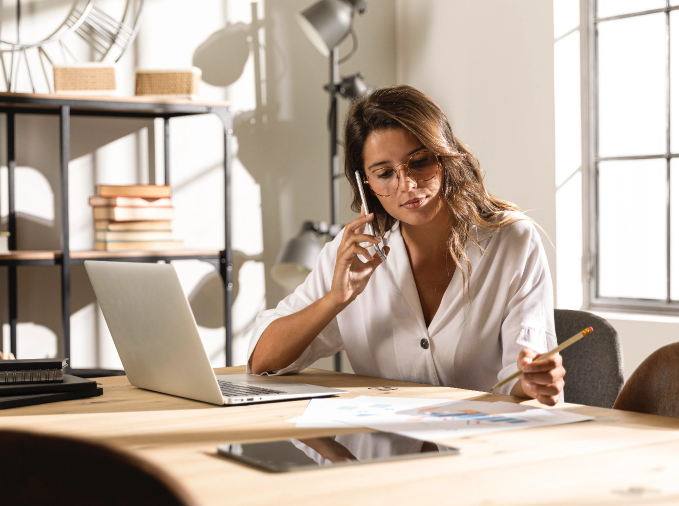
x,y
33,376
139,191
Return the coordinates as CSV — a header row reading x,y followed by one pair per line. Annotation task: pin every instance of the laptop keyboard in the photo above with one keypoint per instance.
x,y
234,390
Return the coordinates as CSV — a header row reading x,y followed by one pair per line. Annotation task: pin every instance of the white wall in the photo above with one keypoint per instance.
x,y
489,64
280,173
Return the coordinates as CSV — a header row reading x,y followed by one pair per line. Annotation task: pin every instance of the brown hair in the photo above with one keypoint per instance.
x,y
467,199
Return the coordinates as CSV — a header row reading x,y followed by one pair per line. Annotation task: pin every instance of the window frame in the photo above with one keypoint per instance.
x,y
595,301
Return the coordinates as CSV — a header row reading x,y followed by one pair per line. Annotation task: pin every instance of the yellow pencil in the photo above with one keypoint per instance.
x,y
556,350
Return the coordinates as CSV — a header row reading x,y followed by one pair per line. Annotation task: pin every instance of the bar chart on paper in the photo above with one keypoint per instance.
x,y
471,416
429,419
468,418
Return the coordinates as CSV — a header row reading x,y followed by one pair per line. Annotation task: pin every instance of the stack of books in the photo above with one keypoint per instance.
x,y
133,217
29,382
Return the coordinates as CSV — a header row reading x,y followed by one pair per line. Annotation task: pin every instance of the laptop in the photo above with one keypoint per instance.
x,y
158,342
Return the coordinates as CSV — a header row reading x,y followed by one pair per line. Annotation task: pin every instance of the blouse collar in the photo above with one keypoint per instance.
x,y
398,264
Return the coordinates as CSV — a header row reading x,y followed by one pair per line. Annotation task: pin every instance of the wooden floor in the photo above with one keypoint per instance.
x,y
620,458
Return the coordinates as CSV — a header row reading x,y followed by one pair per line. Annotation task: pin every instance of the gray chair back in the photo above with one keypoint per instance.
x,y
594,365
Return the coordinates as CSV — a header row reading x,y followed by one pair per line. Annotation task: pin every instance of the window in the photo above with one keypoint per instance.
x,y
634,96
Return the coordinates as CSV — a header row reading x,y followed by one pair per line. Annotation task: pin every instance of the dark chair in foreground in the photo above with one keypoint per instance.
x,y
594,366
40,469
654,387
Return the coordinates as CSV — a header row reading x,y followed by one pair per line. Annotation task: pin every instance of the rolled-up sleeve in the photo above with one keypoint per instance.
x,y
528,320
316,285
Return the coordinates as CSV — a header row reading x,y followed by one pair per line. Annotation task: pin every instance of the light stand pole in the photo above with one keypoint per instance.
x,y
332,126
327,23
334,159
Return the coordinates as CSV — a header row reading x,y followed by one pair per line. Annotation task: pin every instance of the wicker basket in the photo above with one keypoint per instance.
x,y
86,78
175,83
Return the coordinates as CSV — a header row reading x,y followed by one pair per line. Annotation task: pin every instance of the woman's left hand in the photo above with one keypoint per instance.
x,y
541,380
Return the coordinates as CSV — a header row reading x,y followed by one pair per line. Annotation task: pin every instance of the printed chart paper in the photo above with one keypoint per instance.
x,y
465,418
428,419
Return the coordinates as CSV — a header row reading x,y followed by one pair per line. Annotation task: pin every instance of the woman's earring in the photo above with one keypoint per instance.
x,y
446,186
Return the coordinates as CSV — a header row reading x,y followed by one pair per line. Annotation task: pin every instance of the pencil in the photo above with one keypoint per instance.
x,y
556,350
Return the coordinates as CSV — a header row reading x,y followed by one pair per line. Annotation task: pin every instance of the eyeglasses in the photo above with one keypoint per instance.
x,y
421,166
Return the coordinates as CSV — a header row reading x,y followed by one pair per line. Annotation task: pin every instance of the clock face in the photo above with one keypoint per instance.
x,y
38,34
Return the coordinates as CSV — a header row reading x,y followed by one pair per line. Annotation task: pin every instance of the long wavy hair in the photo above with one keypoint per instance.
x,y
468,201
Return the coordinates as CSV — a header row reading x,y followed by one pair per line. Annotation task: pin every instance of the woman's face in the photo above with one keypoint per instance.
x,y
414,202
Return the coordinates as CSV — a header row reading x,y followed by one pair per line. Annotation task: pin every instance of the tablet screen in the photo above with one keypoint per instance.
x,y
310,453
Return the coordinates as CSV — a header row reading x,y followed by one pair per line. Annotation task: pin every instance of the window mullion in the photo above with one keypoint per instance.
x,y
668,139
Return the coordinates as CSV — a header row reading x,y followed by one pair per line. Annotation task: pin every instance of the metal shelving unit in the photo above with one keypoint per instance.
x,y
65,107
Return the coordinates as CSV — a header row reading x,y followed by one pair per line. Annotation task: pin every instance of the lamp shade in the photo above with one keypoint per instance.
x,y
298,258
352,86
326,23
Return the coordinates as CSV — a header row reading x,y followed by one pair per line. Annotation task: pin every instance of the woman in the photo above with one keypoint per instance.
x,y
465,296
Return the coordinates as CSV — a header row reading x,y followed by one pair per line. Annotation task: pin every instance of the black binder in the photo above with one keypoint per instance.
x,y
17,401
46,370
33,363
69,384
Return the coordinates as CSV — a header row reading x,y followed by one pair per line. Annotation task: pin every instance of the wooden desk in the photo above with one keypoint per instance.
x,y
622,458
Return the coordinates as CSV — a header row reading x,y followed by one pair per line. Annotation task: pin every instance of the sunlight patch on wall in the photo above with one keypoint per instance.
x,y
85,347
34,195
568,155
246,307
568,131
39,341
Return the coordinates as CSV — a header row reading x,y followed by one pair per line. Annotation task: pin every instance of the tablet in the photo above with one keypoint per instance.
x,y
342,450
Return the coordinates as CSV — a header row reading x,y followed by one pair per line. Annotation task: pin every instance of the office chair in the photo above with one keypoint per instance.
x,y
59,471
654,387
594,366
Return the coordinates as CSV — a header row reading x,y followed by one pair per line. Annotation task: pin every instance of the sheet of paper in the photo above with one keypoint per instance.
x,y
316,414
334,413
463,418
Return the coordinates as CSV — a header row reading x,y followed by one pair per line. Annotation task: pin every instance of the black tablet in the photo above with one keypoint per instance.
x,y
314,453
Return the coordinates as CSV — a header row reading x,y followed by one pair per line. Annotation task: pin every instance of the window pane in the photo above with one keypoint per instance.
x,y
674,80
632,229
632,86
674,228
607,8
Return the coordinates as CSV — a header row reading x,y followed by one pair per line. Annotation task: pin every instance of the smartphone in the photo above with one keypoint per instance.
x,y
371,229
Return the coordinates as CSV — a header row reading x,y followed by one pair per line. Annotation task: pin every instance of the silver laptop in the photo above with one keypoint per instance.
x,y
158,342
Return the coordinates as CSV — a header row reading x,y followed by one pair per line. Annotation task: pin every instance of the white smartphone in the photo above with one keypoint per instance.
x,y
371,229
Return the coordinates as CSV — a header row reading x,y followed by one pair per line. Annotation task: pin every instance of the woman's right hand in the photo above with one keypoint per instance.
x,y
286,338
351,274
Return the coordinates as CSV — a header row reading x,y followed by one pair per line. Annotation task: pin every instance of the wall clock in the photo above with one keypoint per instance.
x,y
47,33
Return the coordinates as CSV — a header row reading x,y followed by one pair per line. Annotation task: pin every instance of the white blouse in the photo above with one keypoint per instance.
x,y
475,337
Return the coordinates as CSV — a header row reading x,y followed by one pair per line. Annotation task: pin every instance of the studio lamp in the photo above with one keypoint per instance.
x,y
326,23
298,258
352,87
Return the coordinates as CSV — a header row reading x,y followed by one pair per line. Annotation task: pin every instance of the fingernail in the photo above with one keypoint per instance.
x,y
527,368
